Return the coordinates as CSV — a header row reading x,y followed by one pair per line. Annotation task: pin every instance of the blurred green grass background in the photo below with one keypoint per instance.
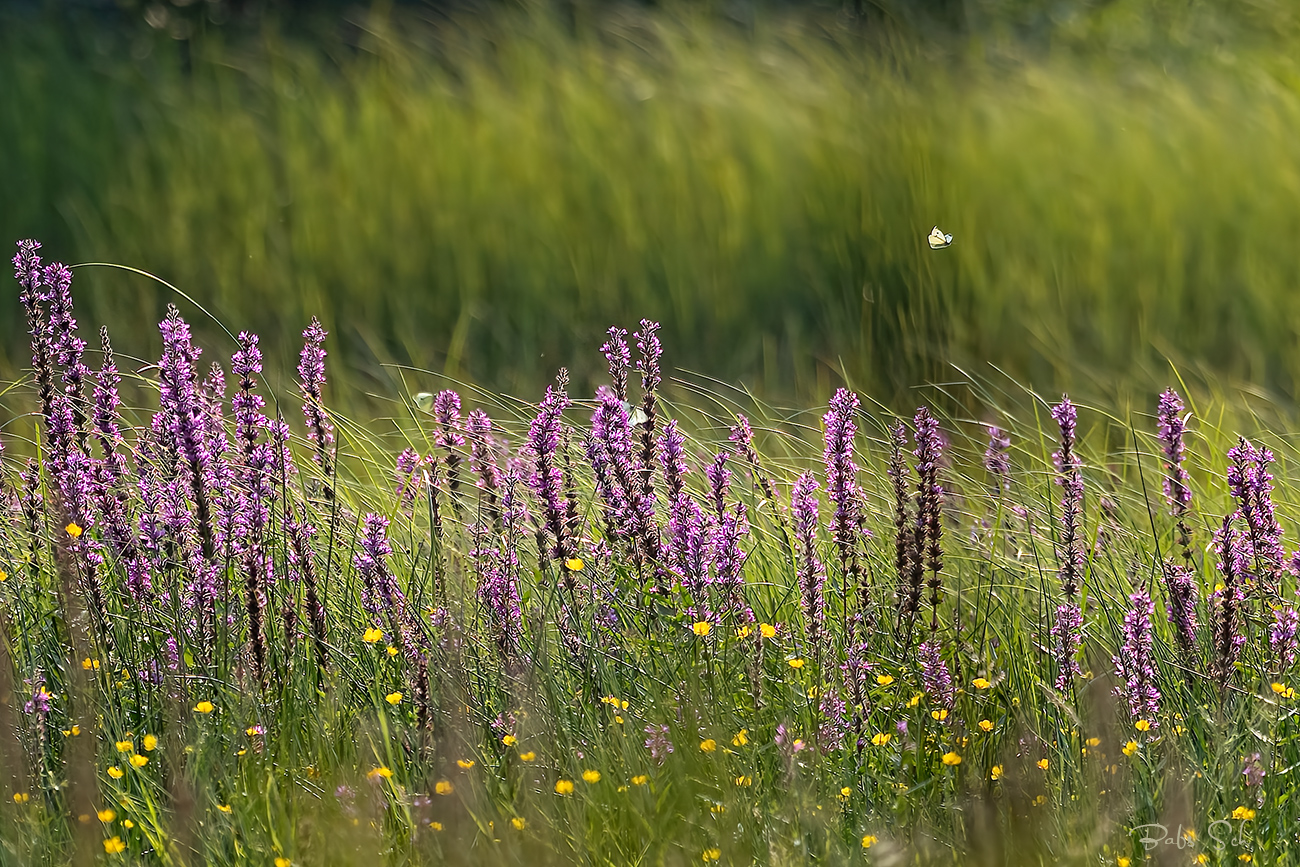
x,y
482,195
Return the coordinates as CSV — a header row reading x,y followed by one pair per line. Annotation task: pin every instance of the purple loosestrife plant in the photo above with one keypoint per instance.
x,y
691,539
183,412
408,482
929,504
742,435
719,483
1172,426
547,479
1251,485
729,562
672,460
649,351
935,676
34,296
1135,663
1180,586
997,458
69,349
1283,635
1067,629
842,486
381,596
1226,601
909,585
810,572
448,435
483,448
311,380
619,357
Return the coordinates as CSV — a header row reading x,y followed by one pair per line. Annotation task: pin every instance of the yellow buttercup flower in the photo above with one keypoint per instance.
x,y
106,815
741,738
712,855
21,797
846,793
128,824
509,740
139,761
1121,861
881,738
225,808
437,826
996,772
1283,690
574,564
392,651
150,743
795,663
283,862
980,683
443,787
205,707
702,628
528,756
113,845
1094,742
1142,725
125,746
592,776
564,787
465,764
640,780
74,530
90,664
744,631
116,773
884,679
708,745
517,821
1042,764
986,725
744,780
916,699
941,714
1130,748
372,635
393,698
767,630
951,759
869,840
1244,813
381,771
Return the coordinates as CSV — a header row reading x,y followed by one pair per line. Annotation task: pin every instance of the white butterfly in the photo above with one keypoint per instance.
x,y
938,240
424,401
635,414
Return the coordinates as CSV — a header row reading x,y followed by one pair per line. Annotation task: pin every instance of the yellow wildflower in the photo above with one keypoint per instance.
x,y
75,532
517,821
1283,690
591,776
437,826
712,854
205,707
996,772
125,746
1130,748
116,773
1042,764
443,787
1142,725
915,700
1121,861
393,698
744,631
741,738
465,764
846,793
702,628
1245,813
941,714
767,630
951,759
986,725
574,564
708,745
90,664
372,635
795,663
509,740
640,780
980,683
139,761
564,787
225,808
1094,742
113,845
869,840
884,679
528,756
21,797
283,862
128,824
150,743
881,738
381,771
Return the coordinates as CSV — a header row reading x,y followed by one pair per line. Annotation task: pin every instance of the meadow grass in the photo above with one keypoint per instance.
x,y
485,681
480,196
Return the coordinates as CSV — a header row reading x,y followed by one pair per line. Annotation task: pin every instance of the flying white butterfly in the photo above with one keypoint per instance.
x,y
424,401
634,413
938,240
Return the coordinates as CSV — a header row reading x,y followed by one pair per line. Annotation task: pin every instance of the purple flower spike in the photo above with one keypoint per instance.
x,y
811,573
448,436
719,482
997,459
311,377
672,459
1070,478
547,479
935,676
620,359
1135,663
842,482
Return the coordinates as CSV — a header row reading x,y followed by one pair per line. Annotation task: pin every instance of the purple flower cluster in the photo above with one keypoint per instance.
x,y
810,572
311,379
842,483
997,458
1135,662
1251,485
935,676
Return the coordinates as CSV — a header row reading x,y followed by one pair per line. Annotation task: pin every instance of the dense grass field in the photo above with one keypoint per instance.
x,y
237,628
480,195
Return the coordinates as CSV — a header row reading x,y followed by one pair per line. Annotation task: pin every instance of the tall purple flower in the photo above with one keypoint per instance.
x,y
1225,602
929,504
997,459
1180,587
408,482
448,435
185,421
1172,425
649,352
935,676
620,359
842,485
672,459
1135,662
1070,478
692,551
719,483
381,596
742,435
311,379
909,579
1283,635
810,571
729,561
483,449
1251,485
547,480
1067,638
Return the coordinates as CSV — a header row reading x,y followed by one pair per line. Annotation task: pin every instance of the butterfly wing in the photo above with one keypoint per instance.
x,y
938,239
